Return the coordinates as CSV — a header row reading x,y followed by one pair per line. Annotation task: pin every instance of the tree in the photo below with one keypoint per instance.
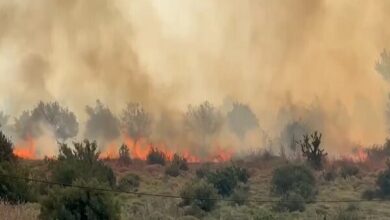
x,y
82,162
241,119
6,149
204,120
124,155
102,123
383,65
3,119
291,133
312,150
59,119
136,121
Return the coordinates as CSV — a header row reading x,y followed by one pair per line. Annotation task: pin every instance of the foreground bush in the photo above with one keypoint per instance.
x,y
75,203
14,190
178,163
290,203
311,149
155,156
349,170
294,178
81,163
6,148
199,194
129,182
226,179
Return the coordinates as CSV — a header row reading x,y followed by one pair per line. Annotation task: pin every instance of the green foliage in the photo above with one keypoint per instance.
x,y
173,170
294,178
263,214
349,213
200,194
226,179
311,149
75,203
240,194
203,171
129,182
6,149
13,190
348,170
291,202
383,181
124,155
81,163
155,156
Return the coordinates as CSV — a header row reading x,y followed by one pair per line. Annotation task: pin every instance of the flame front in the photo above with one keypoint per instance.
x,y
26,149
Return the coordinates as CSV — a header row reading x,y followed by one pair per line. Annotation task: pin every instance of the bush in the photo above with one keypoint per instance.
x,y
348,213
294,178
349,170
383,181
80,163
76,203
155,156
200,194
240,194
291,202
180,162
124,155
226,179
311,149
129,182
173,170
6,149
203,171
14,190
330,175
263,214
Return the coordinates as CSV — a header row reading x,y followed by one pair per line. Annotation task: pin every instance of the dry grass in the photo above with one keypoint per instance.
x,y
19,212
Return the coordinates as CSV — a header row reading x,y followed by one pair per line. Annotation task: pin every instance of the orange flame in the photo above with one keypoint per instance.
x,y
26,149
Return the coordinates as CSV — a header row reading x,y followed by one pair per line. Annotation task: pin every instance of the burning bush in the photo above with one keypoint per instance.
x,y
200,194
75,203
155,156
81,163
225,180
124,155
311,150
294,178
129,182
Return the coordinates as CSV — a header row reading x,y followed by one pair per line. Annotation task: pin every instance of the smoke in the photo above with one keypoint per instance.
x,y
315,59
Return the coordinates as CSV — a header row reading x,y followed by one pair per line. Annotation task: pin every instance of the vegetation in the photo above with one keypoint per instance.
x,y
130,182
200,194
75,203
349,170
124,155
136,121
155,156
225,180
82,162
312,151
6,149
297,179
241,119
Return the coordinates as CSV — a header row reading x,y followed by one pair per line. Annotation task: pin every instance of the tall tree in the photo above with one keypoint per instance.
x,y
241,119
136,121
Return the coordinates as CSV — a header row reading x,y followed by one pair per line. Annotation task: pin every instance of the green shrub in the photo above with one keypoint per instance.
x,y
226,179
330,175
369,194
155,156
240,194
14,190
173,170
294,178
200,194
129,182
263,214
180,162
291,202
81,163
349,170
75,203
6,148
383,181
124,155
349,213
203,171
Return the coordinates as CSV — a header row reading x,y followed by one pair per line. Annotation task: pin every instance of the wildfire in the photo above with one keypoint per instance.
x,y
26,149
141,148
